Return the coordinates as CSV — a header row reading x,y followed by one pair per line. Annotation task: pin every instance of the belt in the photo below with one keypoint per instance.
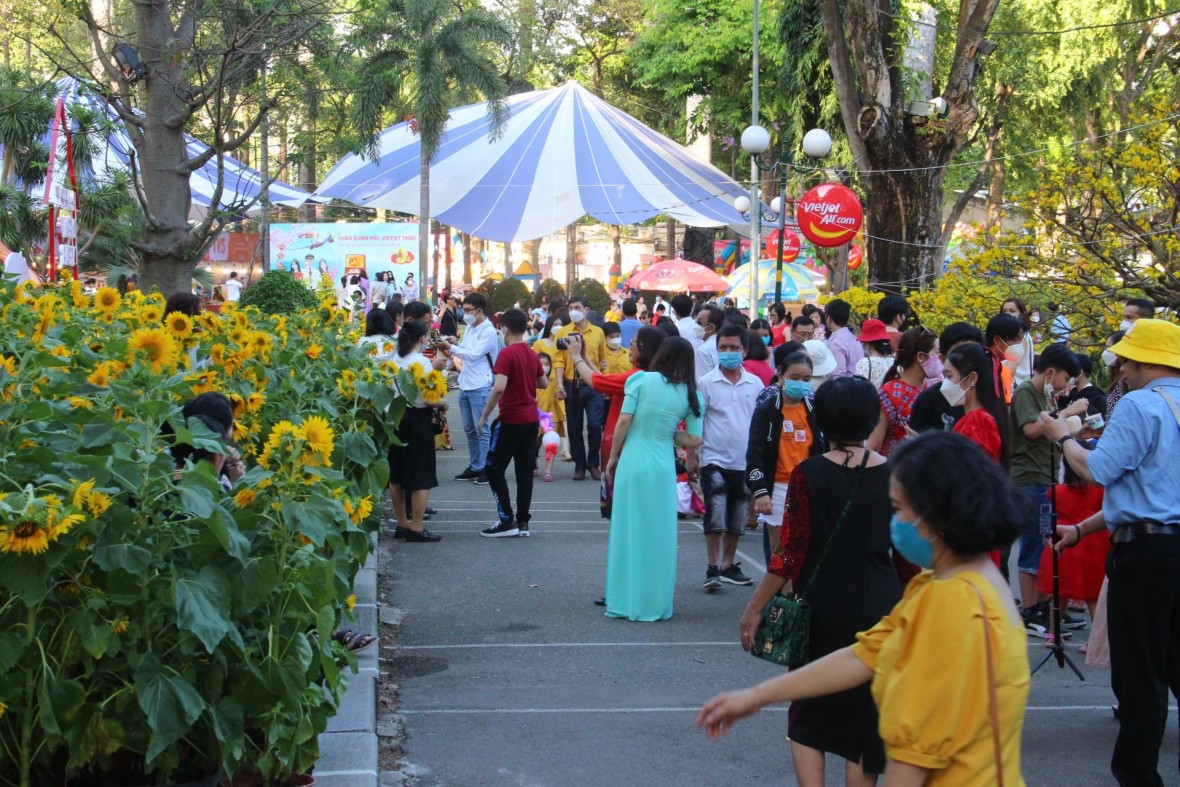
x,y
1126,533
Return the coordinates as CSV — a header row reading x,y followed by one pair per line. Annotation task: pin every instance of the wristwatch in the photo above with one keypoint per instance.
x,y
1066,439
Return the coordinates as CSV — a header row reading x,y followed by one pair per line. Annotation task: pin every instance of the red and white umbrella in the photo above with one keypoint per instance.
x,y
678,276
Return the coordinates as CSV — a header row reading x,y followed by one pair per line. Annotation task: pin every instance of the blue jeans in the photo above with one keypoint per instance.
x,y
471,404
1031,542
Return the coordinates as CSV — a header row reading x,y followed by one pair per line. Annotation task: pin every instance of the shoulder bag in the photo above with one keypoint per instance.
x,y
991,691
784,635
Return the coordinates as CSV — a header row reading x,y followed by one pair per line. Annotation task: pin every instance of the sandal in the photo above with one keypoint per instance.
x,y
353,641
549,476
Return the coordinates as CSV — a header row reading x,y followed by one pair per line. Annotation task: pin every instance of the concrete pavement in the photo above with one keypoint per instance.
x,y
509,675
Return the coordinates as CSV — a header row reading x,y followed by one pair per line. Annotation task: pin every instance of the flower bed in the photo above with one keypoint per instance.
x,y
154,627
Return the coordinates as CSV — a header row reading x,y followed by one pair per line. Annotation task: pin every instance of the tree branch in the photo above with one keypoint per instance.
x,y
843,76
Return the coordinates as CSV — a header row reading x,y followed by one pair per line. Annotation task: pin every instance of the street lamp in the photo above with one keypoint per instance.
x,y
817,143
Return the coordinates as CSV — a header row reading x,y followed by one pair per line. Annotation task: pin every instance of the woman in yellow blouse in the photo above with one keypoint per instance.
x,y
949,665
547,400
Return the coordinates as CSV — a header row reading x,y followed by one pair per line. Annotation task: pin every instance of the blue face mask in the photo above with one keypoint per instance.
x,y
766,340
729,359
909,542
796,389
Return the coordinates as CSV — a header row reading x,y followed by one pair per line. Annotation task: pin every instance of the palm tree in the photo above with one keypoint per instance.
x,y
26,108
440,51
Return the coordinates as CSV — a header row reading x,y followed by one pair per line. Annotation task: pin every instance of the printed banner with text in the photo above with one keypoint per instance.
x,y
310,251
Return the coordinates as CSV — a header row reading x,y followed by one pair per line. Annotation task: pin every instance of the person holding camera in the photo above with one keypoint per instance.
x,y
584,406
1136,463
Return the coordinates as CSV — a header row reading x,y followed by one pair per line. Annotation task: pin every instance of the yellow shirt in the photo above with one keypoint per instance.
x,y
618,360
930,680
595,348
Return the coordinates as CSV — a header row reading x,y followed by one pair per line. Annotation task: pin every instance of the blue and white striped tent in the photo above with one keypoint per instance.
x,y
240,185
563,154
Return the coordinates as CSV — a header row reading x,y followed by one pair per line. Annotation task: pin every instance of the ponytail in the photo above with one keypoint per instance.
x,y
407,339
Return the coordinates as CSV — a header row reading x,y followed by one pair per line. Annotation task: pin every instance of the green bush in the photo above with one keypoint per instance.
x,y
507,293
488,288
278,292
594,292
549,289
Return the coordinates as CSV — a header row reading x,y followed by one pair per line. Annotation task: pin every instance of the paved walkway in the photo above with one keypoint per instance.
x,y
510,676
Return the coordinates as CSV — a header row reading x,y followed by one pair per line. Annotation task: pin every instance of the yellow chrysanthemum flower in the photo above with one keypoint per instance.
x,y
318,434
107,299
154,346
313,352
180,324
244,498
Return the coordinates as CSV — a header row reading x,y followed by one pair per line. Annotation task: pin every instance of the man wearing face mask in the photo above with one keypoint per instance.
x,y
584,405
1004,339
1136,309
477,351
729,394
709,320
1135,461
1033,465
685,323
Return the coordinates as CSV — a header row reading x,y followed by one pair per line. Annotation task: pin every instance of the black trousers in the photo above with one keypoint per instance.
x,y
1143,614
584,407
515,443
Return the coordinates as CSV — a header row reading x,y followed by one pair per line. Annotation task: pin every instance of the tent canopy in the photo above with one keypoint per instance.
x,y
241,185
798,285
563,154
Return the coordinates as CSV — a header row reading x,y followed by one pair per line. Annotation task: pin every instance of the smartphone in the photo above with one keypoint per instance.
x,y
434,335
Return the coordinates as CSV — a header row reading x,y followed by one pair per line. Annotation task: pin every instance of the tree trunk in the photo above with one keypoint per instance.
x,y
995,194
423,226
616,238
903,225
466,258
507,260
168,248
307,179
669,239
571,256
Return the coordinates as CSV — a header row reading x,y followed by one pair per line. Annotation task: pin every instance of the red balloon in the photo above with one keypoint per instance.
x,y
855,257
830,215
791,245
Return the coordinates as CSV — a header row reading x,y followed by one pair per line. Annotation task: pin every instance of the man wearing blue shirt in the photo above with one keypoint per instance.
x,y
630,324
1135,461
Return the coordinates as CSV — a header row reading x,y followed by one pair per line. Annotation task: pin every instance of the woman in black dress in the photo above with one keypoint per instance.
x,y
853,586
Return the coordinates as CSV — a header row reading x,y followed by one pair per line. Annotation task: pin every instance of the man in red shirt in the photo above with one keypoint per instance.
x,y
518,375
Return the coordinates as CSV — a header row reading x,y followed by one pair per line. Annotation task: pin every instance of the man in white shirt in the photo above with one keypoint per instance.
x,y
730,393
709,319
685,322
478,351
233,288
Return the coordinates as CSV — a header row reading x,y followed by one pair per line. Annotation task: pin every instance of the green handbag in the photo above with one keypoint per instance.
x,y
784,634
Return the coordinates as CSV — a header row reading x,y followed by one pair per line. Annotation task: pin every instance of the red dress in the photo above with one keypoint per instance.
x,y
897,400
981,428
611,385
1082,568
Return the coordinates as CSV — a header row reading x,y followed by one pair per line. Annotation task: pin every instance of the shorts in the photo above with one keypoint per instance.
x,y
1038,522
727,500
411,465
778,505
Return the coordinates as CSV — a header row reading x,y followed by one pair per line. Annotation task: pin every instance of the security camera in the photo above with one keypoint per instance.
x,y
935,107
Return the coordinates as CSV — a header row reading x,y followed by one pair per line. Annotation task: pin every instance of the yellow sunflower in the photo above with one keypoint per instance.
x,y
180,324
151,313
80,403
120,626
239,404
107,299
360,512
319,437
260,343
350,602
203,382
155,347
77,296
239,336
255,401
275,440
7,370
97,503
100,377
244,498
81,489
313,352
26,536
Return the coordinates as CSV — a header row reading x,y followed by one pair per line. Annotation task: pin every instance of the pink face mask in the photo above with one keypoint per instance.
x,y
933,367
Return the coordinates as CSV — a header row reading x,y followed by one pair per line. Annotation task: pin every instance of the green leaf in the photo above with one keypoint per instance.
x,y
59,699
197,499
27,577
202,606
229,725
127,557
11,646
223,526
96,639
98,434
358,447
170,703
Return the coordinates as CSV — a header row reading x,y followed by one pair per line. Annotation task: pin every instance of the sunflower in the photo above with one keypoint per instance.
x,y
260,343
100,377
80,403
97,503
151,313
209,321
26,536
432,386
61,351
350,602
154,346
239,335
361,511
244,498
82,489
180,324
239,404
78,296
203,382
8,368
255,401
275,440
345,385
313,352
120,626
107,299
319,437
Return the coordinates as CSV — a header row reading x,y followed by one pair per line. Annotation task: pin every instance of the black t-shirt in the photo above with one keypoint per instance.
x,y
1095,399
931,411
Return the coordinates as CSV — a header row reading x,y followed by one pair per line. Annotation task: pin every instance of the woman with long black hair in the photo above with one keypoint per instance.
x,y
641,556
970,381
411,464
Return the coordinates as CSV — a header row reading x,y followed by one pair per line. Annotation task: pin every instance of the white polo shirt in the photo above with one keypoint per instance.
x,y
729,408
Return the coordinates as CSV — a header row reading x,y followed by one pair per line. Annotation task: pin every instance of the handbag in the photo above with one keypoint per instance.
x,y
784,633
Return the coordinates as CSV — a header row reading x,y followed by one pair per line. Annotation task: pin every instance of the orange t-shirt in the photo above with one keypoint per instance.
x,y
794,444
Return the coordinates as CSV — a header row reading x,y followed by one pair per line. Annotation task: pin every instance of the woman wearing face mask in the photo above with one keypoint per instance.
x,y
783,432
941,725
878,357
968,382
1117,387
412,463
834,547
916,362
1020,365
757,357
547,400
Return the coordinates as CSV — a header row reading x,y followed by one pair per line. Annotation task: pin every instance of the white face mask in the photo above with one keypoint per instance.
x,y
614,343
1109,358
1126,325
1014,354
469,318
577,316
1049,389
952,392
697,331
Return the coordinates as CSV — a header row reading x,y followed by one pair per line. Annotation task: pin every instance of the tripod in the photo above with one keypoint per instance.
x,y
1057,651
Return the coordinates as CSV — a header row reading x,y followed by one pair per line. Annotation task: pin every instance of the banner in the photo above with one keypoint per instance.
x,y
233,247
310,251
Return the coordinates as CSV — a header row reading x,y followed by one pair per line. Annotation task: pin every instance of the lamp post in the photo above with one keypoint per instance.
x,y
817,143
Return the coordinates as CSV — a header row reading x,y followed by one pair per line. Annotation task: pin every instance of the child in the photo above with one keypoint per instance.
x,y
547,398
618,358
550,441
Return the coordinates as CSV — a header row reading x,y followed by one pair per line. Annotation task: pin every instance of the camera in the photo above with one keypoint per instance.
x,y
562,344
